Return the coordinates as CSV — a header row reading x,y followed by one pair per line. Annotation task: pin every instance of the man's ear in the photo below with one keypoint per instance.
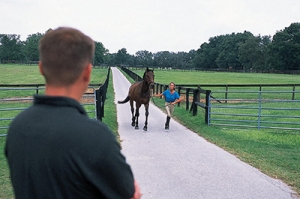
x,y
87,73
41,68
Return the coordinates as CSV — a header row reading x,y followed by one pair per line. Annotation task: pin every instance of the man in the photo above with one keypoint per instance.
x,y
171,98
53,149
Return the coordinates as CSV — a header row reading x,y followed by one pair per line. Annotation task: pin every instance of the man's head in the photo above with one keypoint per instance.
x,y
64,54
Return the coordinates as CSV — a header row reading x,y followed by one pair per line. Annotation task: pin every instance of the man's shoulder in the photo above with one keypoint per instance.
x,y
94,124
97,123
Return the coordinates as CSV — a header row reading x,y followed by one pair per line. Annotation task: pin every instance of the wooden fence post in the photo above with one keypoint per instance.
x,y
37,89
179,90
207,107
156,89
187,99
195,107
293,95
226,93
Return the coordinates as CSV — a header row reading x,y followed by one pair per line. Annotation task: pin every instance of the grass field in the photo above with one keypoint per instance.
x,y
25,74
194,77
274,152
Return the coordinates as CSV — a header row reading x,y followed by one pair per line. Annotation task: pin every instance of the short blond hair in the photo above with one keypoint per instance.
x,y
64,53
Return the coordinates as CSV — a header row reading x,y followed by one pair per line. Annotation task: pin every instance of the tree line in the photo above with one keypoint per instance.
x,y
236,52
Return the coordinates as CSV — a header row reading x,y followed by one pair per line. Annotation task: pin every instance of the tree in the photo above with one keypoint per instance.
x,y
31,47
11,48
100,54
221,52
144,58
285,48
162,59
208,53
122,56
110,59
251,55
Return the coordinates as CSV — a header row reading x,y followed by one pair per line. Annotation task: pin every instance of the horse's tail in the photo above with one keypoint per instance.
x,y
124,101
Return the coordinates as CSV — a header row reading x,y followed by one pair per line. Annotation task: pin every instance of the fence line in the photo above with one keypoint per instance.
x,y
256,113
15,98
12,105
229,98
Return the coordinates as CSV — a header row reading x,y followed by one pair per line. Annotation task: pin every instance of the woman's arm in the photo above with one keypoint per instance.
x,y
157,95
177,100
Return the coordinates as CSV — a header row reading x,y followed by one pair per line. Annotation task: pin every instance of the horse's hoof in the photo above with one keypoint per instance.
x,y
136,127
145,128
132,124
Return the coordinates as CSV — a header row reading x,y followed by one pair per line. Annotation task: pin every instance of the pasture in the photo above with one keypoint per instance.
x,y
274,152
199,77
29,74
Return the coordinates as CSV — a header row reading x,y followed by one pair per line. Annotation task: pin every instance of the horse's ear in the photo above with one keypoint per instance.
x,y
147,68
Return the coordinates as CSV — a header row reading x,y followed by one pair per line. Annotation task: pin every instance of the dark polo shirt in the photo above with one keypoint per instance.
x,y
55,151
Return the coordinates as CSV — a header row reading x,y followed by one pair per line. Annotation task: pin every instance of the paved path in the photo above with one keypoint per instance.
x,y
179,164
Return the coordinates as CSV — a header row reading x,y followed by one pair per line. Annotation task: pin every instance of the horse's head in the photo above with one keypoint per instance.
x,y
149,77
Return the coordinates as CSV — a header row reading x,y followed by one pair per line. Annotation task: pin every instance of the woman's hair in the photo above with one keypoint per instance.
x,y
64,53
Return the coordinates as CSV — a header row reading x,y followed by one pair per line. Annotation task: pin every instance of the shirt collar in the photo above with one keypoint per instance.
x,y
58,101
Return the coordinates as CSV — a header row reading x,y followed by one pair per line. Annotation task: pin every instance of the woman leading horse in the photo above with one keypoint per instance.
x,y
171,98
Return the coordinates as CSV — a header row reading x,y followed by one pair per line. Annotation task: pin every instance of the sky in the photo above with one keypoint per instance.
x,y
152,25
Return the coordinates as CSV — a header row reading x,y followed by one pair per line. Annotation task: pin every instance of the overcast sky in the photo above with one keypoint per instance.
x,y
153,25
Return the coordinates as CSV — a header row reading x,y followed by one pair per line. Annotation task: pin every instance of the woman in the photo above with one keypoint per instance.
x,y
171,98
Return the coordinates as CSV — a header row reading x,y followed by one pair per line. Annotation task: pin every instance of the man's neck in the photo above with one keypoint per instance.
x,y
63,92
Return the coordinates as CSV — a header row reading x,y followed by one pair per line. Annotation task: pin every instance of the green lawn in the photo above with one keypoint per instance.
x,y
29,74
199,77
274,152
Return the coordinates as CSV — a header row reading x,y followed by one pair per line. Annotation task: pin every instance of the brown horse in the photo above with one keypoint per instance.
x,y
140,93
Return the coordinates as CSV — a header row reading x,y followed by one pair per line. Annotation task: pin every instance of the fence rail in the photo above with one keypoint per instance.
x,y
229,105
15,98
19,99
256,113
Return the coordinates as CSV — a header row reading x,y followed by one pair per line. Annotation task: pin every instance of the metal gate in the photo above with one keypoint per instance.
x,y
256,109
14,100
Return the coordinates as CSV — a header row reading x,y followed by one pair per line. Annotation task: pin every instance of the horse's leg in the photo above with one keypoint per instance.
x,y
132,113
137,114
146,114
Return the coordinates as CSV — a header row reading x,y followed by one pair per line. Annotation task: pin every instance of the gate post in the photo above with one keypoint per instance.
x,y
226,93
99,104
195,107
187,99
179,90
161,89
293,95
37,89
207,107
156,89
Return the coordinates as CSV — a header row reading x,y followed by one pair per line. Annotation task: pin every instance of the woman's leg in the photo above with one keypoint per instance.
x,y
170,110
167,105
